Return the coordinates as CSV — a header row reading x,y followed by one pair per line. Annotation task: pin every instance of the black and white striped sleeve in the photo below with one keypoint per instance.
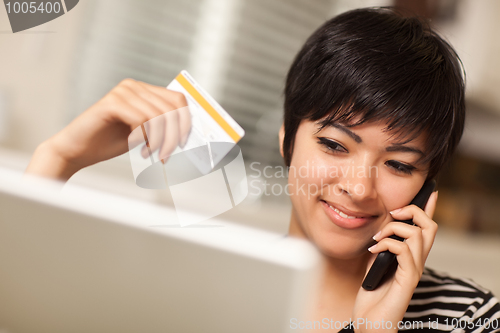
x,y
447,304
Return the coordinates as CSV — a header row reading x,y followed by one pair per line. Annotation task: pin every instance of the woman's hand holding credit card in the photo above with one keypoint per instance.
x,y
102,131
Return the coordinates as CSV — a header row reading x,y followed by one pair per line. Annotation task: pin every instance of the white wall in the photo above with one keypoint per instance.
x,y
34,67
475,37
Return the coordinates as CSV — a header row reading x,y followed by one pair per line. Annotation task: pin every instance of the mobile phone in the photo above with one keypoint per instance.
x,y
386,263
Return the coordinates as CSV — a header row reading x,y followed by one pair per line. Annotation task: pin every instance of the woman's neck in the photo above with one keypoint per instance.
x,y
338,272
342,276
339,282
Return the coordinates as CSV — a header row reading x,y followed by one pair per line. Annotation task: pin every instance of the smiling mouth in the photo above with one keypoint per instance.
x,y
349,215
342,214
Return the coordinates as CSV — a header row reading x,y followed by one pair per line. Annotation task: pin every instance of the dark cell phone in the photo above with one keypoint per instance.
x,y
386,263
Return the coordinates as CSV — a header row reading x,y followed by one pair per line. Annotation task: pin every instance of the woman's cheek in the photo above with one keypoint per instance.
x,y
314,177
397,191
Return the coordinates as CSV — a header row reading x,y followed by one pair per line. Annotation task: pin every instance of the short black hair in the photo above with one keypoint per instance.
x,y
376,64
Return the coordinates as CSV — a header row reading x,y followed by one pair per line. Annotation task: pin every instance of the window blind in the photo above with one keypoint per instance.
x,y
239,50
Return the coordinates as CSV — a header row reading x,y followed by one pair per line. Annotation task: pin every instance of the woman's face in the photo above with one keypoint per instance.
x,y
344,181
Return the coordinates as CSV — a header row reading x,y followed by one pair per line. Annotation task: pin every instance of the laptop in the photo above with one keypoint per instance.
x,y
79,260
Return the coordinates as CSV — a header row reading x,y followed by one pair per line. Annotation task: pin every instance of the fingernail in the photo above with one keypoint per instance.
x,y
395,211
371,248
376,235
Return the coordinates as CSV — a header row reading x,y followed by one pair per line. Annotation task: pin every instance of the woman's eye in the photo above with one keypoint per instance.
x,y
332,145
400,167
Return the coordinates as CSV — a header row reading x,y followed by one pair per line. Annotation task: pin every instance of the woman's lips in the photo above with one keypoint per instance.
x,y
345,218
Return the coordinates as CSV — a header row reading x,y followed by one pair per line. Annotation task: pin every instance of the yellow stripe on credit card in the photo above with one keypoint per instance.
x,y
205,105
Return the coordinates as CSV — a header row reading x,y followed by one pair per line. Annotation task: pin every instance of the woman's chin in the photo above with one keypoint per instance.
x,y
344,255
344,249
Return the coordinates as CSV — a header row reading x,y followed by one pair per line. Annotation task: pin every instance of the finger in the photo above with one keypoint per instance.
x,y
171,138
146,149
430,206
134,93
154,129
403,254
184,125
412,235
177,99
399,229
125,113
155,133
163,104
153,101
414,213
130,96
172,100
121,111
420,218
135,138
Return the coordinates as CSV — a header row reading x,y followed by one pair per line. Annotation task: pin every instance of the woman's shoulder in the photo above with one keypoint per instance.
x,y
436,282
448,303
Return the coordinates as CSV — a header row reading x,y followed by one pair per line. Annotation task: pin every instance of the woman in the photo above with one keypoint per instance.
x,y
379,99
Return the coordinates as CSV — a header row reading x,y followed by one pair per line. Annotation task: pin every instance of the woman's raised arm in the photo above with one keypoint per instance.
x,y
102,131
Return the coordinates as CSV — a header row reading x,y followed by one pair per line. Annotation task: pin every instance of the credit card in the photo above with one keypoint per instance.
x,y
213,134
211,124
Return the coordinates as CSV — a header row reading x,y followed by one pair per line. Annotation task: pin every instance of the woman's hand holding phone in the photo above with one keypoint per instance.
x,y
390,300
102,131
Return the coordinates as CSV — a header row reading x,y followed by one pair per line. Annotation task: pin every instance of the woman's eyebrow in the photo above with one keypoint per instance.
x,y
395,147
347,131
404,149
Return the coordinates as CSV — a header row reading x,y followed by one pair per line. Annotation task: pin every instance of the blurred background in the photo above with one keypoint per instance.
x,y
240,51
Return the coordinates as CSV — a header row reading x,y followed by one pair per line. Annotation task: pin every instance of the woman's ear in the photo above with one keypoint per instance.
x,y
281,137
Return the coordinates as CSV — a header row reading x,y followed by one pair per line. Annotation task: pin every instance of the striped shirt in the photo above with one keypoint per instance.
x,y
443,303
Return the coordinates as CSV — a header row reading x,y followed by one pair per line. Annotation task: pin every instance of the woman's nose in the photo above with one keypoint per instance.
x,y
360,183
